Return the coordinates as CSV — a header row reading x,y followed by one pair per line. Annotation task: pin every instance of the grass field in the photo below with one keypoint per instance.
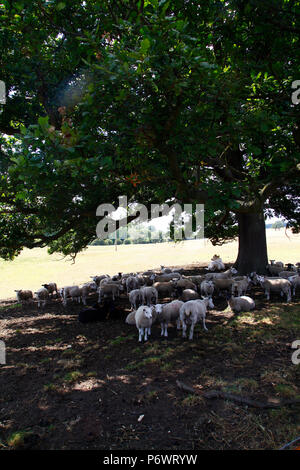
x,y
35,267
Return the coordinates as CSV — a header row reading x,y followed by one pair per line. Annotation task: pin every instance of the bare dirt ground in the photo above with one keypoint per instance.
x,y
68,385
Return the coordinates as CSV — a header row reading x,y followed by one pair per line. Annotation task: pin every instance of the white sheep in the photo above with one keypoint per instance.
x,y
24,295
295,281
150,295
132,283
51,288
87,288
240,286
242,303
143,321
112,289
215,264
225,275
277,263
70,291
207,288
135,298
42,296
167,313
191,312
276,285
97,279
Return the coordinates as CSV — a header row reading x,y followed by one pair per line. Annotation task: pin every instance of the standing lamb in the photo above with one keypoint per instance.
x,y
24,296
42,296
143,321
167,313
191,312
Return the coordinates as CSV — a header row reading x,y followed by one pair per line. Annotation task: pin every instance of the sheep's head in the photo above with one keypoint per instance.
x,y
158,308
147,312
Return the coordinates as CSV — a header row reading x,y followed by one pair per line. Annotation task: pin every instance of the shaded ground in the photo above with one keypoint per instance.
x,y
72,386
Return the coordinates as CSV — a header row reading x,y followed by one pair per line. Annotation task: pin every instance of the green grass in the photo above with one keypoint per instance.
x,y
41,267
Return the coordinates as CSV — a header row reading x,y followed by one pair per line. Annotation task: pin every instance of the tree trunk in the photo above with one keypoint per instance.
x,y
252,255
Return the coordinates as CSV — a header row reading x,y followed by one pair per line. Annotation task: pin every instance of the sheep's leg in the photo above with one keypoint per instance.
x,y
149,331
141,334
166,330
162,329
191,331
183,329
178,324
145,334
204,325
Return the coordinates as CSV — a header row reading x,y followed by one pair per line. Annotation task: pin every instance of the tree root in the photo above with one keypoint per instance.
x,y
236,398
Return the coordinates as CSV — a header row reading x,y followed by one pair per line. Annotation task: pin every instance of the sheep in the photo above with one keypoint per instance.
x,y
285,274
165,270
51,288
207,288
97,279
135,298
70,291
42,296
215,264
164,289
191,312
143,321
167,277
117,277
167,313
189,294
196,279
131,284
225,275
183,284
130,319
273,270
24,296
254,278
150,295
86,289
277,263
240,286
223,284
111,288
295,281
242,303
276,285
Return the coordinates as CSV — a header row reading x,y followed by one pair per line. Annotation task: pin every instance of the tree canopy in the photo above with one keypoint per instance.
x,y
154,99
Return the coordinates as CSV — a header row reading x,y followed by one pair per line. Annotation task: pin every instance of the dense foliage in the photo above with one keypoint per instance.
x,y
156,100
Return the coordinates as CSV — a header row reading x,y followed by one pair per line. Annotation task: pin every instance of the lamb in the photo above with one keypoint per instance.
x,y
143,321
167,313
70,291
111,289
191,312
240,286
295,281
207,288
51,288
150,295
135,298
42,296
215,264
24,295
164,289
243,303
189,294
276,285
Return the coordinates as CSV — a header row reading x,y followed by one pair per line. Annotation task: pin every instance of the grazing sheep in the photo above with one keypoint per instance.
x,y
143,321
71,291
276,285
243,303
240,286
189,294
24,295
167,313
51,288
191,312
164,289
150,295
110,289
207,288
135,298
42,296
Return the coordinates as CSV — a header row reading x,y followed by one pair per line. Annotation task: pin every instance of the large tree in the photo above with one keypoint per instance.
x,y
156,100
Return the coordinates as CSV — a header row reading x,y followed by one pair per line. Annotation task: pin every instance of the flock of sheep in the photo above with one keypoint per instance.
x,y
190,296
